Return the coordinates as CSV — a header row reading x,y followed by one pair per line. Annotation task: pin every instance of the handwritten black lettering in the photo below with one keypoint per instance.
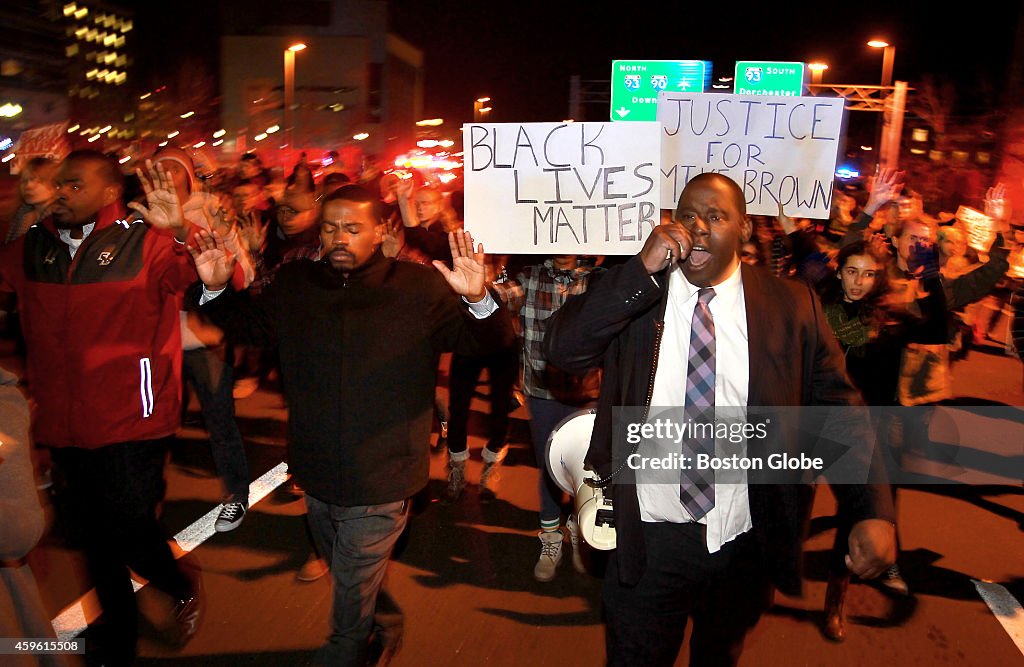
x,y
650,181
475,143
775,120
563,221
625,222
588,143
558,187
515,179
548,217
718,108
521,144
746,123
547,157
593,186
608,182
815,120
498,165
792,133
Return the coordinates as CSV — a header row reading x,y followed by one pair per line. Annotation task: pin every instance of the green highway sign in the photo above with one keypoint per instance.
x,y
769,78
636,84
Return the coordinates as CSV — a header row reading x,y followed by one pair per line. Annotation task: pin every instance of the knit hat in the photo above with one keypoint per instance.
x,y
175,154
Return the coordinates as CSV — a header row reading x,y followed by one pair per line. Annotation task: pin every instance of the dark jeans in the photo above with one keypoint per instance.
x,y
357,543
111,496
544,417
724,593
502,371
211,377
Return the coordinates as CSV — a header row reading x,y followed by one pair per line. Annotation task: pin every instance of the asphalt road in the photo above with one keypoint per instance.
x,y
463,573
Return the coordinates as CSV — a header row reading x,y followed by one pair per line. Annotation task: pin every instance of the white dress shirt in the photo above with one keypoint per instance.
x,y
730,517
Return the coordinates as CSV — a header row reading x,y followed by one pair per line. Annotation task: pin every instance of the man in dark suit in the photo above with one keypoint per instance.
x,y
684,323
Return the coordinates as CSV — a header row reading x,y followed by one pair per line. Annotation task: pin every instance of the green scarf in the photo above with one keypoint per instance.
x,y
851,332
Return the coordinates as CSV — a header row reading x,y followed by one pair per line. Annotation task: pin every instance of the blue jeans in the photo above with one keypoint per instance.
x,y
357,541
210,376
545,415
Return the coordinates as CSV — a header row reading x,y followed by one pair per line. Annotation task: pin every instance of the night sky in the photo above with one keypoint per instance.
x,y
523,57
522,54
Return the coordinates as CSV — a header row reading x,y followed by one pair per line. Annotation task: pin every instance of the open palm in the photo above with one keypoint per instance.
x,y
163,208
214,263
467,275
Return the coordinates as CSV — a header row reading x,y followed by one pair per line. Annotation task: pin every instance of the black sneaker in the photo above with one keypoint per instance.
x,y
230,517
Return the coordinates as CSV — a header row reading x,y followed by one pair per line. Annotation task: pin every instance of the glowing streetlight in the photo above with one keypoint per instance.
x,y
888,57
479,109
817,70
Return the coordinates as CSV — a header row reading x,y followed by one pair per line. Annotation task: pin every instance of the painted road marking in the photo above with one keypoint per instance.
x,y
1006,608
74,618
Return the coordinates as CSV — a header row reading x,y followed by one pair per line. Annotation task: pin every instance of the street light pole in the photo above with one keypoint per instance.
x,y
289,90
888,58
889,128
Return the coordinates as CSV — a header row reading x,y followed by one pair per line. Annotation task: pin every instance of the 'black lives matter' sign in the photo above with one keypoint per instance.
x,y
565,188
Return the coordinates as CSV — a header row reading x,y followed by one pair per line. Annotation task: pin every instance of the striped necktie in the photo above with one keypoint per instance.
x,y
697,487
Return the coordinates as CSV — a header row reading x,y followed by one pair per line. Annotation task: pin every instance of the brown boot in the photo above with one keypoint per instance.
x,y
835,616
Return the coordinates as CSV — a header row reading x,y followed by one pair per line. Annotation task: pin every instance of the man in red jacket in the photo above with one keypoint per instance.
x,y
99,296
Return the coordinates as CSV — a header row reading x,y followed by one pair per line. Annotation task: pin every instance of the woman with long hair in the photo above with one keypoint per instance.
x,y
872,333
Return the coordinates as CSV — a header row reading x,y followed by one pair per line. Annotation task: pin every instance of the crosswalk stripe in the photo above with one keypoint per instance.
x,y
74,618
1006,608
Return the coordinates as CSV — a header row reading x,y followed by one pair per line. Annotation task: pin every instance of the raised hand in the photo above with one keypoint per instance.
x,y
214,263
997,206
390,242
252,230
466,277
163,208
884,189
404,188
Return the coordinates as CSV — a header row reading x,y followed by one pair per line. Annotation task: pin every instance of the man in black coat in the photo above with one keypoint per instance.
x,y
769,346
359,337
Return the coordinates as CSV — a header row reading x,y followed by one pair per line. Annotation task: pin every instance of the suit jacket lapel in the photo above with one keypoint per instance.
x,y
758,329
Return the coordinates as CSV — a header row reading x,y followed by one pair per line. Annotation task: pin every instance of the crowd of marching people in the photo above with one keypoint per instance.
x,y
353,287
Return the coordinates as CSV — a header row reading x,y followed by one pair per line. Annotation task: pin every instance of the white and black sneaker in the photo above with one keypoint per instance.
x,y
230,517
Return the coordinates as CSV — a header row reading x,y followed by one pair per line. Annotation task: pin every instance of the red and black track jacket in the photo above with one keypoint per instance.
x,y
102,330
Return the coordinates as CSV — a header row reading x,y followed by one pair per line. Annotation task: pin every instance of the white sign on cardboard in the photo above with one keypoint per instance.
x,y
778,149
562,188
981,231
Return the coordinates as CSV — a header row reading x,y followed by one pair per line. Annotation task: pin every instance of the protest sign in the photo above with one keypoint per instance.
x,y
778,149
45,141
565,188
981,230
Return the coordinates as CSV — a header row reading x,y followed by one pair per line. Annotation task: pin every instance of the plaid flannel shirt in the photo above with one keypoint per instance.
x,y
535,294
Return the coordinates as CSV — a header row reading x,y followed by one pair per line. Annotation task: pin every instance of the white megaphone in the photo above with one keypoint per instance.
x,y
566,450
